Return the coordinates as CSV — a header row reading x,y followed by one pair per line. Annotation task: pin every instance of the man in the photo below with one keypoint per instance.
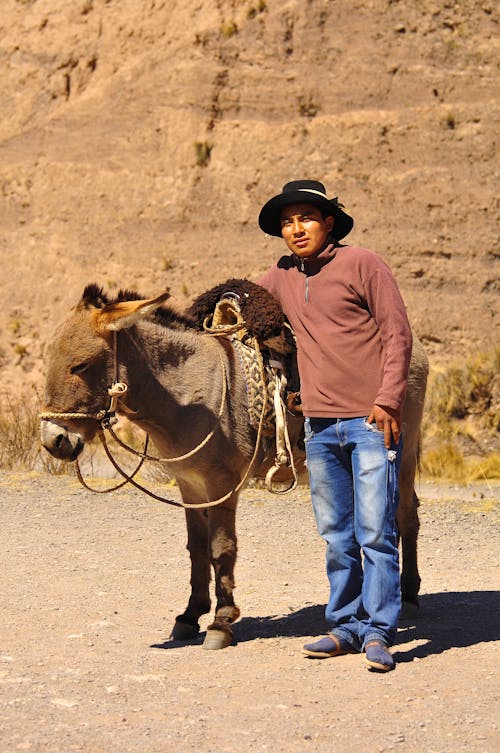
x,y
353,348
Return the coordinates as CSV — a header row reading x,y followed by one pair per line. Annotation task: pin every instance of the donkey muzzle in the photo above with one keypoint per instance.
x,y
59,441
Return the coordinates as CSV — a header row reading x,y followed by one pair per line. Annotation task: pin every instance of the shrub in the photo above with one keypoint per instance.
x,y
203,150
468,389
307,107
228,29
463,411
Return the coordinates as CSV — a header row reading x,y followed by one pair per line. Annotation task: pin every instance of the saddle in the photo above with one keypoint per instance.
x,y
251,318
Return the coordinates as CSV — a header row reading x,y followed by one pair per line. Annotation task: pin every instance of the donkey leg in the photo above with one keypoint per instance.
x,y
408,527
186,624
407,516
223,551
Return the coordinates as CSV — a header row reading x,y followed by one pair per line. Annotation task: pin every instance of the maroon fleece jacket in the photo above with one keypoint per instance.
x,y
353,336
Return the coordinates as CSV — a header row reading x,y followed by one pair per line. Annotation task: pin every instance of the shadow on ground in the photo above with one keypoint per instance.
x,y
453,619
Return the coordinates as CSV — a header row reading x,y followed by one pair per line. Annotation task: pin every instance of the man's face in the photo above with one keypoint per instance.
x,y
304,229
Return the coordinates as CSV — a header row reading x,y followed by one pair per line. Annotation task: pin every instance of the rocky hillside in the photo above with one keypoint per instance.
x,y
138,141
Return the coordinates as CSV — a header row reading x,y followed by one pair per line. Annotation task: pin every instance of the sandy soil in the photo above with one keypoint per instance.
x,y
91,585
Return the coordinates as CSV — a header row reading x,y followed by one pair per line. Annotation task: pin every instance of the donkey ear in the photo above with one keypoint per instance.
x,y
124,314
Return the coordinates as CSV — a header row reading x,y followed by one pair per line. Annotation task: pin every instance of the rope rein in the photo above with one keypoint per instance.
x,y
198,447
114,488
107,419
128,479
211,503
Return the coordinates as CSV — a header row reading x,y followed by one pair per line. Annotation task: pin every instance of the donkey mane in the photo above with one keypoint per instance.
x,y
261,311
166,316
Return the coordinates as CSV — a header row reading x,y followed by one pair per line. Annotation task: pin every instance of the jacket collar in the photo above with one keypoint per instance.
x,y
310,265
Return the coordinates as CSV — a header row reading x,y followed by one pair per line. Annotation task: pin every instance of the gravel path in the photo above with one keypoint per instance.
x,y
91,586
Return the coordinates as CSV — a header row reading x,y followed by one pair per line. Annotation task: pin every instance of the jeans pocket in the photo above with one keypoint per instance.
x,y
372,427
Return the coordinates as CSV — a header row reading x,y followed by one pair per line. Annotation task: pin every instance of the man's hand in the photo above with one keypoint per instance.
x,y
388,420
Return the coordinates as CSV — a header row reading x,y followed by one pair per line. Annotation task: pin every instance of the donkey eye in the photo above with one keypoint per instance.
x,y
80,368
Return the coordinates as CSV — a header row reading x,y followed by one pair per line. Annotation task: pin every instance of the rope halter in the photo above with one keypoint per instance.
x,y
106,417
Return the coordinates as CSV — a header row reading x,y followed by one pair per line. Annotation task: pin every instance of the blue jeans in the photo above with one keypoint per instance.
x,y
354,493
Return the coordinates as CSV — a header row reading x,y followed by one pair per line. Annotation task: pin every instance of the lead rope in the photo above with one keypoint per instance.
x,y
129,479
107,418
211,503
284,452
198,447
114,488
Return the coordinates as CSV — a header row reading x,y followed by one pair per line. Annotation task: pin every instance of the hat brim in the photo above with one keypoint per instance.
x,y
270,214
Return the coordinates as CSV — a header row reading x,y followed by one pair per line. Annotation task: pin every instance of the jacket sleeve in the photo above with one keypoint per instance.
x,y
269,282
389,312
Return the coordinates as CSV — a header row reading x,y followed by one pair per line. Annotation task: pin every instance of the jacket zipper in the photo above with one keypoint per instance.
x,y
302,268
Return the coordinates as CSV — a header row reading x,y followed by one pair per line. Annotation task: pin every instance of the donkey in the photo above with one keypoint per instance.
x,y
188,391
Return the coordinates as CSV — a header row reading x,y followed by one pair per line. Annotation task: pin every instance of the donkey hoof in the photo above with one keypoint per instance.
x,y
216,639
184,631
409,611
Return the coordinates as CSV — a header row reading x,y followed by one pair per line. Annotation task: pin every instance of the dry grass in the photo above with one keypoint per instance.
x,y
447,462
461,427
468,389
20,447
462,420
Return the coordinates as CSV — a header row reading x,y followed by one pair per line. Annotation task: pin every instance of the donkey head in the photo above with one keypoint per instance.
x,y
81,368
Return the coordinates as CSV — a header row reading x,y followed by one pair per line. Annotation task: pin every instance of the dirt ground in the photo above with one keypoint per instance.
x,y
91,586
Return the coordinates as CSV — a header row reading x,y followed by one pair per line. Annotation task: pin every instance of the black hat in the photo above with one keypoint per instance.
x,y
304,192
